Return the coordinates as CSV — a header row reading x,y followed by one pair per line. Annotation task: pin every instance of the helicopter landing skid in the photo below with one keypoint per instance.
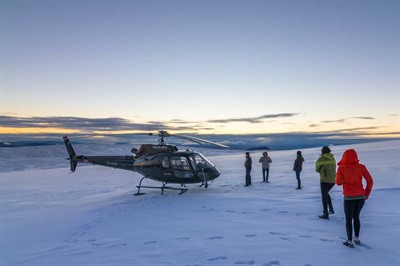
x,y
183,190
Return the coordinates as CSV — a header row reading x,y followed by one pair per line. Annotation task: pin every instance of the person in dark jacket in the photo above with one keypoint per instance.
x,y
247,165
298,167
326,167
350,174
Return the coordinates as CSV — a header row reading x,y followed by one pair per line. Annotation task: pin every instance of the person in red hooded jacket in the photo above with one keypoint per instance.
x,y
350,174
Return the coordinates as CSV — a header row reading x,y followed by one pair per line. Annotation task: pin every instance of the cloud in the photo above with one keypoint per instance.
x,y
387,133
356,129
335,121
344,120
78,123
363,117
258,119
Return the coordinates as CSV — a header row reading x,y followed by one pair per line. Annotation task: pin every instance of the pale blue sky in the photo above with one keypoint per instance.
x,y
331,64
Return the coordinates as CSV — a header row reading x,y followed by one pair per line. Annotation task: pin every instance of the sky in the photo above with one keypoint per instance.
x,y
206,67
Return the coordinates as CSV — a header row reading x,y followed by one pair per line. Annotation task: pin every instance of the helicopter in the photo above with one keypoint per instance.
x,y
160,162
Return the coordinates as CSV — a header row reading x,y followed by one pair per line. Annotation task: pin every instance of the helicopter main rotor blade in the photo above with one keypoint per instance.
x,y
200,141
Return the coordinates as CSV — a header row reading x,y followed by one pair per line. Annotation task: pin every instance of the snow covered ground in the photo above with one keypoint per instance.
x,y
90,217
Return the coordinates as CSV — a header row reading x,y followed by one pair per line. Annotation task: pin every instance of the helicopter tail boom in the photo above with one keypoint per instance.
x,y
71,153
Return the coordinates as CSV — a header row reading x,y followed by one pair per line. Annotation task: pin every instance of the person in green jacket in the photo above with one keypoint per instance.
x,y
326,167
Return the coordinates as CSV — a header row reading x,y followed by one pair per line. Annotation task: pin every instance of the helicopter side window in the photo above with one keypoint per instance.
x,y
165,162
180,163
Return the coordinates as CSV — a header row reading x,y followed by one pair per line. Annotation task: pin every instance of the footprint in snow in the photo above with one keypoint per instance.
x,y
250,262
117,244
273,262
288,238
327,240
218,258
149,242
276,233
215,237
70,241
183,238
251,235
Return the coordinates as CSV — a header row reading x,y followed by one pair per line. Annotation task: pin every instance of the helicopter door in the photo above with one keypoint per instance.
x,y
181,167
166,167
165,162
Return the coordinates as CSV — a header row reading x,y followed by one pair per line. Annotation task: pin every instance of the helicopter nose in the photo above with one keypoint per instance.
x,y
209,173
215,172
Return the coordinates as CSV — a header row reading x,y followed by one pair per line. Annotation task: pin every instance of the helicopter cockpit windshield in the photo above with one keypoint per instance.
x,y
201,162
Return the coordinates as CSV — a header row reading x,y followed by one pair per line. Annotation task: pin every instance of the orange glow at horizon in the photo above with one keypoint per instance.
x,y
35,130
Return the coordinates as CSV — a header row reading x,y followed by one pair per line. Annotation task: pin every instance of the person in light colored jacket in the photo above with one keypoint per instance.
x,y
265,160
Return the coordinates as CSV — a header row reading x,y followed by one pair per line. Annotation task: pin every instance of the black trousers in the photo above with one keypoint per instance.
x,y
326,198
248,176
298,179
265,173
352,209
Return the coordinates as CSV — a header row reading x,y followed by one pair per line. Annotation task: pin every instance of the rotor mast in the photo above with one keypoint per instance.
x,y
162,134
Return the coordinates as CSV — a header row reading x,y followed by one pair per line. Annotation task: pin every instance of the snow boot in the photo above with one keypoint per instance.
x,y
348,244
324,216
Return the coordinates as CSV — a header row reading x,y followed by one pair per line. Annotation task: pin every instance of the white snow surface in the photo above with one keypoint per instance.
x,y
90,217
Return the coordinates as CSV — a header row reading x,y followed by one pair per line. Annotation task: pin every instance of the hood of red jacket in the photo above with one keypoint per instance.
x,y
349,157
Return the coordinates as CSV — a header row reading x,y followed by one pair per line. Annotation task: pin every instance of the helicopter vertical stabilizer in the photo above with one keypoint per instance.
x,y
71,153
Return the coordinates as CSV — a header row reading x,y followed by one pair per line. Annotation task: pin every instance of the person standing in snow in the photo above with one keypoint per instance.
x,y
326,167
265,160
298,167
247,165
350,174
